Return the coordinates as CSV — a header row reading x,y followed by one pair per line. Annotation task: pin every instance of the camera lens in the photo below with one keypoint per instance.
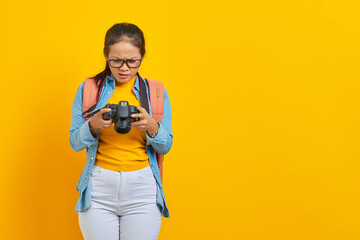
x,y
122,126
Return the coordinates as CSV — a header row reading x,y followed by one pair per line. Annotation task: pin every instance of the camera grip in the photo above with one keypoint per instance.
x,y
107,116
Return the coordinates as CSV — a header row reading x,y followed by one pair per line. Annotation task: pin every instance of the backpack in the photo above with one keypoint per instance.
x,y
156,92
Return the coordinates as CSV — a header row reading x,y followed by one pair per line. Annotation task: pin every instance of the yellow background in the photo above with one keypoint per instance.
x,y
265,99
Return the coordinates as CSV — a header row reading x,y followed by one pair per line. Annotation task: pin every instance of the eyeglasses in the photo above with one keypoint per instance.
x,y
131,63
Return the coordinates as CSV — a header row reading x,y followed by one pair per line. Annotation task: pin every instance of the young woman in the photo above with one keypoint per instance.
x,y
120,189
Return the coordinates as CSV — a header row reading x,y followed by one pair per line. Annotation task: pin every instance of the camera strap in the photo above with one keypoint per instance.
x,y
90,114
89,111
143,95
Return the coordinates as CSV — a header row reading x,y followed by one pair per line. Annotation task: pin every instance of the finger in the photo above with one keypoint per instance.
x,y
107,121
135,124
104,110
140,127
107,125
138,123
137,115
142,110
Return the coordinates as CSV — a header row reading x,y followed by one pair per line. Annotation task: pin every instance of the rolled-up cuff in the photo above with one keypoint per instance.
x,y
86,136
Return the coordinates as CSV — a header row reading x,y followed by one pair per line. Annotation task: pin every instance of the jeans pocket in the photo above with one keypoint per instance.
x,y
145,175
148,180
142,185
96,170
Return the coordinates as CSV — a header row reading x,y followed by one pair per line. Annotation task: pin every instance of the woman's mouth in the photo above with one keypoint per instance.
x,y
123,75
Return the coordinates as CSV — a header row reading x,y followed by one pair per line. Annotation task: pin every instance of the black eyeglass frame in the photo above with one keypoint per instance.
x,y
124,61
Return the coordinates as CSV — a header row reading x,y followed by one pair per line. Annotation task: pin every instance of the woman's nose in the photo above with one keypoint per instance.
x,y
124,66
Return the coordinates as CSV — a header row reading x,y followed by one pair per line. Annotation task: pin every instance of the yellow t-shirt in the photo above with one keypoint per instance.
x,y
122,152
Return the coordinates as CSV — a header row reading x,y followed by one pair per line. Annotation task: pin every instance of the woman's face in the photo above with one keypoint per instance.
x,y
123,50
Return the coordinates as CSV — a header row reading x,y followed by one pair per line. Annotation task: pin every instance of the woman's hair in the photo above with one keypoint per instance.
x,y
119,32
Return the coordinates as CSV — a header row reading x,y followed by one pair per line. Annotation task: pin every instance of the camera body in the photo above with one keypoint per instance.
x,y
121,116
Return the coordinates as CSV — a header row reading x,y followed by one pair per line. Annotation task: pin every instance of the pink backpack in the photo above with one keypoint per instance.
x,y
156,92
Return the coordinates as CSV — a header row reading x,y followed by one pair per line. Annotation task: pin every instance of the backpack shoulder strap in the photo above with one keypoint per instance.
x,y
89,95
156,95
156,92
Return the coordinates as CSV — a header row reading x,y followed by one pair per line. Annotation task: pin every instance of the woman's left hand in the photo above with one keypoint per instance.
x,y
146,122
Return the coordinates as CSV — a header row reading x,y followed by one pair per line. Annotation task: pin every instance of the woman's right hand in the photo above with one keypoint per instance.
x,y
97,122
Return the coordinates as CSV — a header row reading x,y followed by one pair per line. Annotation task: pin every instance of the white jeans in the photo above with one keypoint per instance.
x,y
123,206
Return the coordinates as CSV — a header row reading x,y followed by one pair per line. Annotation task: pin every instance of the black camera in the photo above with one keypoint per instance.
x,y
121,116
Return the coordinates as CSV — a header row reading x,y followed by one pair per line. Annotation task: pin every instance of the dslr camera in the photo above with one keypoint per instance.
x,y
121,116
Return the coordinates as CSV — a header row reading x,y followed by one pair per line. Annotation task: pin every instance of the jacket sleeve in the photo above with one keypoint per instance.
x,y
80,135
162,142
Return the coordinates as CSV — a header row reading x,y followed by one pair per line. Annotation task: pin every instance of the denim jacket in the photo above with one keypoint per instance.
x,y
81,137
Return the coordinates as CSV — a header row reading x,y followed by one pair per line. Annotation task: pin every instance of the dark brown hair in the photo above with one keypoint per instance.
x,y
118,32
